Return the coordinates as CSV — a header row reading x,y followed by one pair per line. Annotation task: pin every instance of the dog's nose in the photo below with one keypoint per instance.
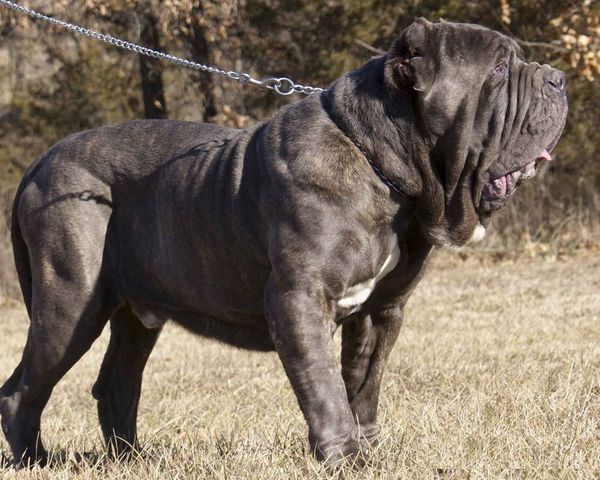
x,y
556,80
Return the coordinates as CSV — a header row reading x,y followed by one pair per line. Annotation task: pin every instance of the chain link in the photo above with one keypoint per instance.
x,y
282,86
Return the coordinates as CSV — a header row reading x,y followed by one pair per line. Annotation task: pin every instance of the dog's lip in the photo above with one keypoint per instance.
x,y
500,188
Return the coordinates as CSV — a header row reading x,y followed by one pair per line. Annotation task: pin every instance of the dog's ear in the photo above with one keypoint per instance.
x,y
409,64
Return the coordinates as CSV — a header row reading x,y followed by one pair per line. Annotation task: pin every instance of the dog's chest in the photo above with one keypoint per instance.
x,y
358,294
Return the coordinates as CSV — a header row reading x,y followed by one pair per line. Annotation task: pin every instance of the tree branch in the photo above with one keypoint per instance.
x,y
366,46
551,46
19,164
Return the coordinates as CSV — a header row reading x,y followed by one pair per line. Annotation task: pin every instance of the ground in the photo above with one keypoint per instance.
x,y
496,375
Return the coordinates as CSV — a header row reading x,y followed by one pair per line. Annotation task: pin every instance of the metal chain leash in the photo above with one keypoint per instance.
x,y
281,85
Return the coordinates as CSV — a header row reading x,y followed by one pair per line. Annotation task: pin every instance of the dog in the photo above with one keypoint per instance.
x,y
272,237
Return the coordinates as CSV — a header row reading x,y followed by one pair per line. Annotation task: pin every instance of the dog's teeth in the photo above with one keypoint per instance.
x,y
514,179
528,170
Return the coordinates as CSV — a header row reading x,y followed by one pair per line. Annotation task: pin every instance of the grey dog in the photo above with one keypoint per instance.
x,y
272,237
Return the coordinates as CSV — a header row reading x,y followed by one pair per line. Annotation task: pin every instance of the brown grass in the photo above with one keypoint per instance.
x,y
496,375
9,285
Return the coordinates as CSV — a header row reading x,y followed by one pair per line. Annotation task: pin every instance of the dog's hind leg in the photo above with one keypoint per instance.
x,y
45,361
71,301
119,383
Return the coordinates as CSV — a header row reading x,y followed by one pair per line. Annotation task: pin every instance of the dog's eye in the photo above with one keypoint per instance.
x,y
501,69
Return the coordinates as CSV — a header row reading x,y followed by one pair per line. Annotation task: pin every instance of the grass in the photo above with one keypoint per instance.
x,y
495,375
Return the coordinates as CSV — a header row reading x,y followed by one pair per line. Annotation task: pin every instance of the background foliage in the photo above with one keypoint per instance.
x,y
53,83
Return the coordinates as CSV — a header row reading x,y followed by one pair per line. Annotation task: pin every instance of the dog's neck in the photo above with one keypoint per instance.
x,y
380,126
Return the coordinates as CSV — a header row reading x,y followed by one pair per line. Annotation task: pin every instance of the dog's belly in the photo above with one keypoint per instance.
x,y
203,282
247,331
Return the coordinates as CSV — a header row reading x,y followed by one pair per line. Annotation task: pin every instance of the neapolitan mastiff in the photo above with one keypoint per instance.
x,y
273,236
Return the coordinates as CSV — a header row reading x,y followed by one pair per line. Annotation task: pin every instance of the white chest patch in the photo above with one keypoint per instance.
x,y
478,234
357,294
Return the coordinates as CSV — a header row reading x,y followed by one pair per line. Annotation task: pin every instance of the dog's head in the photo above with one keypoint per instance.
x,y
487,119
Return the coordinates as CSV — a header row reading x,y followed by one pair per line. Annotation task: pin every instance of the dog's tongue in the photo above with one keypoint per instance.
x,y
545,155
506,184
501,186
529,170
498,187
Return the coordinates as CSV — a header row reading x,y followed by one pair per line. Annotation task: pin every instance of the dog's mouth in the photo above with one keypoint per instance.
x,y
497,191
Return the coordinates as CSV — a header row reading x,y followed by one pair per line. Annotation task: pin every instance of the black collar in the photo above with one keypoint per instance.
x,y
393,185
325,103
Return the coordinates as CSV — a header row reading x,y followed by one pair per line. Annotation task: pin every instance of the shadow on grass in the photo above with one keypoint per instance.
x,y
5,462
93,460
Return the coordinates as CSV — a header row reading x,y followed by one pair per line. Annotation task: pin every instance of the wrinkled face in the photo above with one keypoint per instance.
x,y
489,117
532,111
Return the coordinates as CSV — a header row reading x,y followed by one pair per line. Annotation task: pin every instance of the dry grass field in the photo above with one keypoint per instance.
x,y
496,375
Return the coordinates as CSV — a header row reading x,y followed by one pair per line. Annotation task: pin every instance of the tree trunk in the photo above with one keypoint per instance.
x,y
214,40
151,70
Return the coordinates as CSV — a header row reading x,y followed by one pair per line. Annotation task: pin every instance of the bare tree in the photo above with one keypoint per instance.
x,y
151,69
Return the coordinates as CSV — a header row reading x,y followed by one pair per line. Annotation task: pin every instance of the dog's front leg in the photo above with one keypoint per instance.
x,y
301,325
366,344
